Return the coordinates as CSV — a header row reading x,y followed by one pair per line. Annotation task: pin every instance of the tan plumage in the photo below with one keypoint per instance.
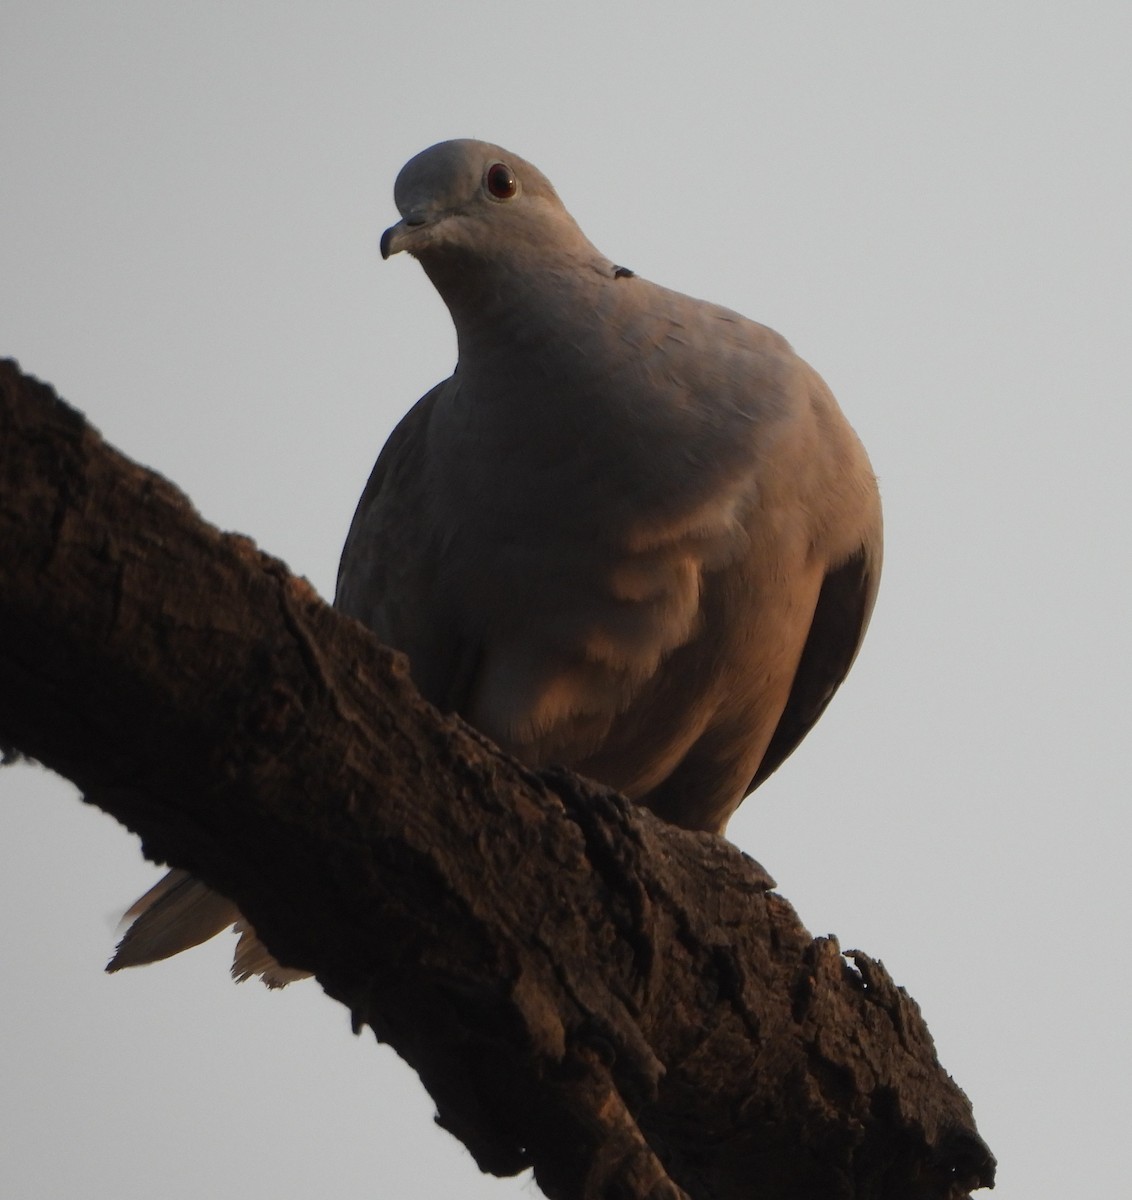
x,y
632,534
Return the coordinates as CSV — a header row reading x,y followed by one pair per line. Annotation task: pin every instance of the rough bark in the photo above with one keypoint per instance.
x,y
623,1005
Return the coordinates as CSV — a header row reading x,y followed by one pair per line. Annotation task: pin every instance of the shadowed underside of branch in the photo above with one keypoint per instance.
x,y
627,1007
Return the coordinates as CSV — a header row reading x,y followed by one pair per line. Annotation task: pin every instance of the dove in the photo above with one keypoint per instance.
x,y
632,534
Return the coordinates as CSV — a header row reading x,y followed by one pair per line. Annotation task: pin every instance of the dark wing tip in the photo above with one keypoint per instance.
x,y
841,616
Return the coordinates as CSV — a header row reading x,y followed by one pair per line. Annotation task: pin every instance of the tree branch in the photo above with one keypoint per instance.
x,y
625,1006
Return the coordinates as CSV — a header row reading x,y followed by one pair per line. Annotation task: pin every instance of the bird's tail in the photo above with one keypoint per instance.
x,y
179,912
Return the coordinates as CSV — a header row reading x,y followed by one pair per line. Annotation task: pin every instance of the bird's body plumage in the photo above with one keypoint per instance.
x,y
632,534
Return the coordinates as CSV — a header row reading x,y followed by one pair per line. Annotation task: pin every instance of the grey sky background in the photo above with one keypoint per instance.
x,y
930,201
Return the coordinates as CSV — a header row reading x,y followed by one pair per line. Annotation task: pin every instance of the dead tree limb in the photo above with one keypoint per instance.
x,y
627,1007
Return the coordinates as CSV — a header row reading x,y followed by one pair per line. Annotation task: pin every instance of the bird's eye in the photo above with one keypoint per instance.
x,y
501,181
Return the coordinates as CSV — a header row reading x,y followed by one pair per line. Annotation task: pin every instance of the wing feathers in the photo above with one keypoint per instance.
x,y
844,606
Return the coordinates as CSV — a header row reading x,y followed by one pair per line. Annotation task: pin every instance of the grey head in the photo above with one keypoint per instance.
x,y
468,205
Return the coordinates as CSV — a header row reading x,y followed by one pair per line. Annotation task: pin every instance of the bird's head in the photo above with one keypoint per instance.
x,y
467,205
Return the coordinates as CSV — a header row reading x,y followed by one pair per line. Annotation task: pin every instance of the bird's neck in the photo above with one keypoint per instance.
x,y
515,306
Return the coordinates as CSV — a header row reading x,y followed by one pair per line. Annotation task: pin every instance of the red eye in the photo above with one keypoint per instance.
x,y
501,182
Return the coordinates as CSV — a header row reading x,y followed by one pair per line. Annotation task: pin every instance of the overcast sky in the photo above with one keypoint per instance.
x,y
930,201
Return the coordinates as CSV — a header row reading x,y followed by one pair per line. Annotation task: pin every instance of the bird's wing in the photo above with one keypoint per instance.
x,y
362,574
841,617
389,576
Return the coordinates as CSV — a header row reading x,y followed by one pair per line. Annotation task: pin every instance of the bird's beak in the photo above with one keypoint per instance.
x,y
406,234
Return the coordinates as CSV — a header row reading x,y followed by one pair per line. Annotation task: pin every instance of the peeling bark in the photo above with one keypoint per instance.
x,y
625,1006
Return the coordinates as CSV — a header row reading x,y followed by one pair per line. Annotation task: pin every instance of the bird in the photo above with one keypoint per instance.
x,y
632,534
